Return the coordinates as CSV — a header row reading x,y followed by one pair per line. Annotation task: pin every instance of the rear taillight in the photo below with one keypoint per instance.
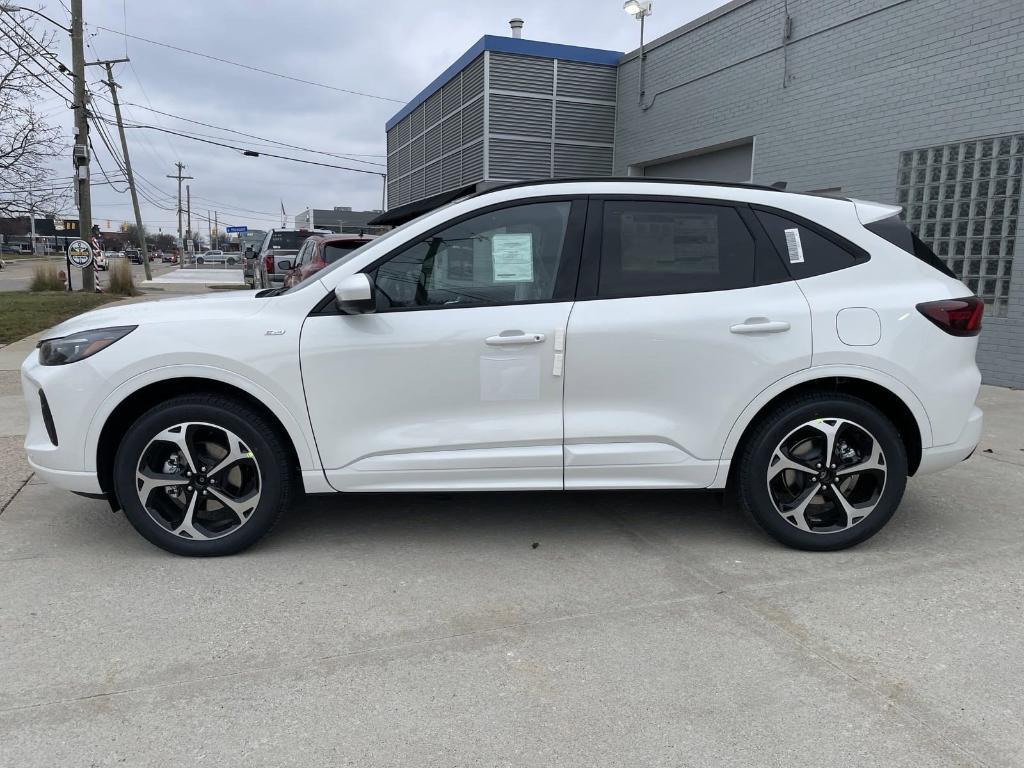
x,y
957,317
268,264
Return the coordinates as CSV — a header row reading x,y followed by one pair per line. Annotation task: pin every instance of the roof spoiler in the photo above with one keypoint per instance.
x,y
868,211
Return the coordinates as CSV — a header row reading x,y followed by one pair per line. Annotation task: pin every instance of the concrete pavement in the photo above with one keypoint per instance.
x,y
534,629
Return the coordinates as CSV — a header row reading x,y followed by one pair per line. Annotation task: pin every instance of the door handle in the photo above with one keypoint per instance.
x,y
511,338
760,325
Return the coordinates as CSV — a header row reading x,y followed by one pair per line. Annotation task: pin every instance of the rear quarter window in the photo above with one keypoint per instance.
x,y
806,249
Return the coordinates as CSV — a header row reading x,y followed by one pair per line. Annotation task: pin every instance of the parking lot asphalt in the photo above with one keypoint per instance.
x,y
519,629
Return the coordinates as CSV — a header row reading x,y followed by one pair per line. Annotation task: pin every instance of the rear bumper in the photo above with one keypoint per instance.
x,y
941,457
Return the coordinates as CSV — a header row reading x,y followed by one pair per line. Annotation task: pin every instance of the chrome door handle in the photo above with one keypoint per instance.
x,y
760,325
511,338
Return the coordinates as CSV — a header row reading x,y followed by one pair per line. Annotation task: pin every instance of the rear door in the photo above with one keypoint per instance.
x,y
684,314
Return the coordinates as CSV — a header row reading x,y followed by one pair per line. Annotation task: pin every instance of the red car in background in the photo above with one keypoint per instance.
x,y
320,250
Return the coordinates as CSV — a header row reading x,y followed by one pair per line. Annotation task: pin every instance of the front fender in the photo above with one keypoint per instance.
x,y
297,426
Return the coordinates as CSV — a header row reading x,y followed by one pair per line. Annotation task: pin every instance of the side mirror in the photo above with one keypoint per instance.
x,y
285,264
354,295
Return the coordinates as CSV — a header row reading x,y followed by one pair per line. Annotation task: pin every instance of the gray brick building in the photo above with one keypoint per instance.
x,y
915,102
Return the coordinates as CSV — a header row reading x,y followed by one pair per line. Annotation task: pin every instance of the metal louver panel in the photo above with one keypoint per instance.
x,y
402,131
451,171
393,198
586,81
393,139
521,73
416,185
416,123
473,163
416,154
432,179
473,121
451,95
451,134
432,110
404,185
520,115
579,160
575,121
512,159
473,79
393,165
403,160
432,144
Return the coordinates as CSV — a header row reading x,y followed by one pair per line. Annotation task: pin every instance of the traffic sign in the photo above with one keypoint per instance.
x,y
80,254
236,229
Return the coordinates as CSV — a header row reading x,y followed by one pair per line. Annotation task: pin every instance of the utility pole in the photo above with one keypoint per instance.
x,y
127,161
81,150
181,241
188,228
209,226
216,230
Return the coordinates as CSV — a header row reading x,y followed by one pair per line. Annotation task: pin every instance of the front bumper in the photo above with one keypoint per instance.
x,y
941,457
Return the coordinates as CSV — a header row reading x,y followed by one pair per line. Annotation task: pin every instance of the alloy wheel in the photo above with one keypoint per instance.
x,y
198,481
827,475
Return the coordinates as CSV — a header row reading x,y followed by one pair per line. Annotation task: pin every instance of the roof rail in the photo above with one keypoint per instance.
x,y
409,211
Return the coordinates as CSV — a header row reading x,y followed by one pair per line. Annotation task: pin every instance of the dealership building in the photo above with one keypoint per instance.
x,y
914,102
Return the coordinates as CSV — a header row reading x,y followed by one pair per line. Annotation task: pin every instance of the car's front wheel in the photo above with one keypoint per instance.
x,y
202,475
200,260
824,471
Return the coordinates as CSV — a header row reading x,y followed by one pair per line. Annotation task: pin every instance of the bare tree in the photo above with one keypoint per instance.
x,y
28,144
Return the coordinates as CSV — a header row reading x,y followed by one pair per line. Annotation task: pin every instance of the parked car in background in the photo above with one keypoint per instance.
x,y
133,256
101,262
320,250
168,258
809,353
280,245
217,257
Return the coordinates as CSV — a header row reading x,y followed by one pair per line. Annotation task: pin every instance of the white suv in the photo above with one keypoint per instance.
x,y
806,351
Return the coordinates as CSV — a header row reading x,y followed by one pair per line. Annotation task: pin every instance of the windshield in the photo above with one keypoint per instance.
x,y
346,257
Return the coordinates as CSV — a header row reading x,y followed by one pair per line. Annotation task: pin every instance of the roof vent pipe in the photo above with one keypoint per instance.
x,y
517,27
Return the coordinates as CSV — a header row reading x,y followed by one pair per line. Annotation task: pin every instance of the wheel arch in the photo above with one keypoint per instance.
x,y
136,402
887,394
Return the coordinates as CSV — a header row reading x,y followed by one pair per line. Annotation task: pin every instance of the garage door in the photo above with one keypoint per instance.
x,y
729,164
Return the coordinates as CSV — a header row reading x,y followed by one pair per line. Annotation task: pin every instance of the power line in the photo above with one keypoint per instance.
x,y
350,156
251,68
265,154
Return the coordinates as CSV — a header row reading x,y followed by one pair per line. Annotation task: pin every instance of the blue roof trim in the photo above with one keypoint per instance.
x,y
509,45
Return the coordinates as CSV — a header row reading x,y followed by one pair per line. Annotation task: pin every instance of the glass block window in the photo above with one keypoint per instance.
x,y
963,200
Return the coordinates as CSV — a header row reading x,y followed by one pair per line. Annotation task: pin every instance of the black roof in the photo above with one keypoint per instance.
x,y
409,211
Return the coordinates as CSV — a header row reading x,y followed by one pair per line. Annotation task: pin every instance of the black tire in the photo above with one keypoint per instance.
x,y
268,451
200,260
231,262
757,456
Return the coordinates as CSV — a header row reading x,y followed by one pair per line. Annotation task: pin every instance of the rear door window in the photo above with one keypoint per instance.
x,y
806,249
897,233
654,247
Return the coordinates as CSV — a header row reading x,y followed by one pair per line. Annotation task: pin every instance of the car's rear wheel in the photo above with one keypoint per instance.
x,y
202,475
824,471
231,262
200,260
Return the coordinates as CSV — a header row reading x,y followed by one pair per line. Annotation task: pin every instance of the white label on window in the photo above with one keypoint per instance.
x,y
512,258
796,251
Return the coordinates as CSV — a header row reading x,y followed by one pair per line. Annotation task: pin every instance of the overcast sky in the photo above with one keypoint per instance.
x,y
390,48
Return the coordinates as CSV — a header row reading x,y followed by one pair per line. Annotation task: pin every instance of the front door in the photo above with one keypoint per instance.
x,y
455,381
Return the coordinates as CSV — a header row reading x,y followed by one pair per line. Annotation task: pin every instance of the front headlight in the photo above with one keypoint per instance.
x,y
78,346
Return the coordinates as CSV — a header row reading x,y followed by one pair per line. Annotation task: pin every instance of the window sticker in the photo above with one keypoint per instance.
x,y
512,258
796,250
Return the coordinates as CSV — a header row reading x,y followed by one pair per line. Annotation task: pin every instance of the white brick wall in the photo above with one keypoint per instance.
x,y
868,79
